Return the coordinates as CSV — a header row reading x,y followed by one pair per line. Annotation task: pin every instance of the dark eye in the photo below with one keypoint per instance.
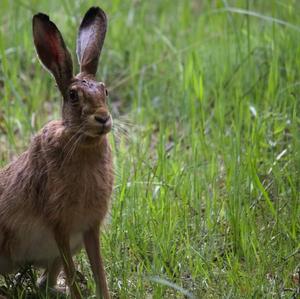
x,y
106,92
73,95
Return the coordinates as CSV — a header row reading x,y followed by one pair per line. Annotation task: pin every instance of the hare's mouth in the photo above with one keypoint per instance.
x,y
105,128
97,129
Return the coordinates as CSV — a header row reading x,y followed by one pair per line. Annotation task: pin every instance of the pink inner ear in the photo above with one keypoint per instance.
x,y
53,41
48,44
51,50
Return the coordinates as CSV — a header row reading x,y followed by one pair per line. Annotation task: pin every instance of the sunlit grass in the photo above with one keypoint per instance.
x,y
206,96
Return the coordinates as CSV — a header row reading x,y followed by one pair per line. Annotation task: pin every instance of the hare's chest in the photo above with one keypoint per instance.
x,y
39,247
80,199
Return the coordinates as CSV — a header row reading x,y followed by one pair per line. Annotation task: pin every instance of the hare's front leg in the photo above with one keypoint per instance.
x,y
6,265
63,244
92,246
49,277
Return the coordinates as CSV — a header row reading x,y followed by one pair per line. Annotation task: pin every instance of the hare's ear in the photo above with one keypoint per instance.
x,y
90,39
52,50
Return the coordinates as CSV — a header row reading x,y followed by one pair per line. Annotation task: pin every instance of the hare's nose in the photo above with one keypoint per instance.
x,y
102,119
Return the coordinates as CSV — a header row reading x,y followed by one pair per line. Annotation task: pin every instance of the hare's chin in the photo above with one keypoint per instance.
x,y
97,133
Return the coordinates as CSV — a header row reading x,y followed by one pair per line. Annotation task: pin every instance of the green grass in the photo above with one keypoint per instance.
x,y
207,150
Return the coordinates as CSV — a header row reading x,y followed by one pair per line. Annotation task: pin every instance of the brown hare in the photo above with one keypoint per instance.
x,y
54,197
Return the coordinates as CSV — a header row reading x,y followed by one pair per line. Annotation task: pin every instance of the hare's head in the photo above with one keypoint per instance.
x,y
84,99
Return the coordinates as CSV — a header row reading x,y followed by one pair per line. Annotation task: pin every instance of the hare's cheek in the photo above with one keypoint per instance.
x,y
90,119
86,112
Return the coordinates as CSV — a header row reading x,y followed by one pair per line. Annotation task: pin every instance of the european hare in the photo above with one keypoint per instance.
x,y
54,197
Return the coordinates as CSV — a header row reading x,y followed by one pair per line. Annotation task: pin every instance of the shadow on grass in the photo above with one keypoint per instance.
x,y
23,285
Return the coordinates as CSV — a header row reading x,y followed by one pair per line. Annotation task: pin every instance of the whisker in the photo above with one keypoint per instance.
x,y
70,146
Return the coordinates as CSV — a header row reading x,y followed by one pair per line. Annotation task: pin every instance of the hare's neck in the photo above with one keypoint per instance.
x,y
85,145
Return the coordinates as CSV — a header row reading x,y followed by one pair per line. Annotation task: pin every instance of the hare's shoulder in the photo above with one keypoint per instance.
x,y
50,136
52,132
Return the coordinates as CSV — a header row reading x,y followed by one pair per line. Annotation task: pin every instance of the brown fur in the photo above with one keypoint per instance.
x,y
54,197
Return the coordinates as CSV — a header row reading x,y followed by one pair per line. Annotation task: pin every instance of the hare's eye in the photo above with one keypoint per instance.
x,y
73,95
106,92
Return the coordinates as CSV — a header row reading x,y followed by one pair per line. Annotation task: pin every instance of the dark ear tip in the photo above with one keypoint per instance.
x,y
40,17
91,14
96,10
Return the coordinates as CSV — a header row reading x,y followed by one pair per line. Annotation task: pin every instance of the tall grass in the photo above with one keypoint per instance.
x,y
207,148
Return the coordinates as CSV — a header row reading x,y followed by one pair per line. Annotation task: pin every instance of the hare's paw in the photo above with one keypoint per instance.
x,y
6,265
51,291
3,291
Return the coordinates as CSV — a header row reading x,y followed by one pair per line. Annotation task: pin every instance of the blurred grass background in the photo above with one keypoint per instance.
x,y
205,96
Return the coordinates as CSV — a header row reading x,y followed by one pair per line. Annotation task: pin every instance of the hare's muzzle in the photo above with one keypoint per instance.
x,y
104,122
102,119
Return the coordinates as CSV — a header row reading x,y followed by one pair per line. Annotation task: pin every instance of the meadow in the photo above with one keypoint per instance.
x,y
205,99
